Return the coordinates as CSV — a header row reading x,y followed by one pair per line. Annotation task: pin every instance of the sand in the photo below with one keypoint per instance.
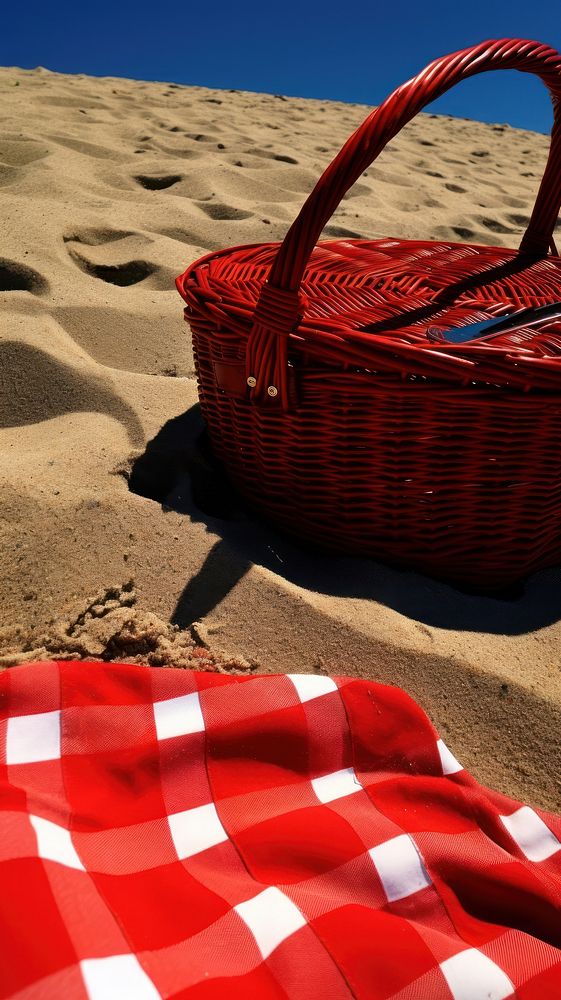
x,y
109,188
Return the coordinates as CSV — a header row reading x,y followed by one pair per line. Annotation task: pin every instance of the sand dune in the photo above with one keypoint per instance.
x,y
109,188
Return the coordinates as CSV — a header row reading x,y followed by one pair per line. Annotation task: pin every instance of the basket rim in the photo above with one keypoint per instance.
x,y
389,333
207,258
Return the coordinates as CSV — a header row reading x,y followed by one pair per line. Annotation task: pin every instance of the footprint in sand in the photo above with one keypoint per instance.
x,y
455,188
96,237
495,226
342,233
157,183
226,213
128,272
443,232
16,277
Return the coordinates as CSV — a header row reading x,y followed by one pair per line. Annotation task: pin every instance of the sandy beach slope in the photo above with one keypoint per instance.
x,y
108,189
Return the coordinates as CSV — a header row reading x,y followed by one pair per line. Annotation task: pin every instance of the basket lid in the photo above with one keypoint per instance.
x,y
368,304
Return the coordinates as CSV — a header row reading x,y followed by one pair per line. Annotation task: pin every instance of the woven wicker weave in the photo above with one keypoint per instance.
x,y
337,417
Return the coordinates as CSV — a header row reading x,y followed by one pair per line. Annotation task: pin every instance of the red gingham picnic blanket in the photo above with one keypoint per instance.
x,y
167,833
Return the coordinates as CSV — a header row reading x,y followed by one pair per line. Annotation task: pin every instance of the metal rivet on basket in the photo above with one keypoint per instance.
x,y
272,390
251,381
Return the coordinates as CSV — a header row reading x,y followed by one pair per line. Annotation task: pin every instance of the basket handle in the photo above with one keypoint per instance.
x,y
280,305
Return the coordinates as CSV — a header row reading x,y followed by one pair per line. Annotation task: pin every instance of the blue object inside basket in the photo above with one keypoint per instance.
x,y
534,316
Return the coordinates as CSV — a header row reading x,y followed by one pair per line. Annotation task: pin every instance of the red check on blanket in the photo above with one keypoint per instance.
x,y
166,833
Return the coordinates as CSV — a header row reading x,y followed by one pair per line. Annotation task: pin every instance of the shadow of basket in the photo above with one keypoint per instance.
x,y
178,470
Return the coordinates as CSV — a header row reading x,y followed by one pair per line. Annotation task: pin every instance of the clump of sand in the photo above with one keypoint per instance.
x,y
111,628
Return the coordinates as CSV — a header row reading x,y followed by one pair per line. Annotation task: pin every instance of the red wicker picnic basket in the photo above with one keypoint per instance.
x,y
334,413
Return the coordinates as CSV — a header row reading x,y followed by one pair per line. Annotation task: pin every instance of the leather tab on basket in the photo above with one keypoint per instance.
x,y
231,379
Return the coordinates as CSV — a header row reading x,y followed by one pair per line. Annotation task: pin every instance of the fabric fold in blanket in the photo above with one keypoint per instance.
x,y
195,836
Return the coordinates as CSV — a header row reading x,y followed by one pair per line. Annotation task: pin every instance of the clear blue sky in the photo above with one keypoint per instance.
x,y
345,51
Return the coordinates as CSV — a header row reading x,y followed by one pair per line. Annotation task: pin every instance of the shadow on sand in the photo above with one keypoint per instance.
x,y
177,470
